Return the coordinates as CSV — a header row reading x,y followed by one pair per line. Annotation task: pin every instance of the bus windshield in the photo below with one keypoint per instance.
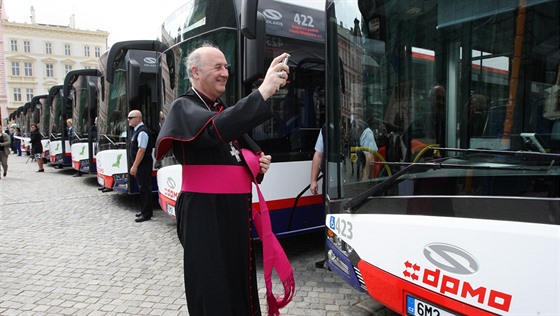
x,y
405,87
55,107
85,106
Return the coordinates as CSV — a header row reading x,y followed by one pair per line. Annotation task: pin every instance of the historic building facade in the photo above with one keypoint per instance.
x,y
36,57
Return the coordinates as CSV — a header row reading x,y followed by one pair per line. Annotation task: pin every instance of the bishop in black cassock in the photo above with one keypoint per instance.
x,y
215,228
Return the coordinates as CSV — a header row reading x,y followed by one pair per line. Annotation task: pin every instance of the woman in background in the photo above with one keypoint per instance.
x,y
36,146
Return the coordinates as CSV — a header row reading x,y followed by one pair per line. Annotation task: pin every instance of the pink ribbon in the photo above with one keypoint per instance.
x,y
274,256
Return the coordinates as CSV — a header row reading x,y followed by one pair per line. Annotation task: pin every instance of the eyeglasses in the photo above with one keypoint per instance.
x,y
131,117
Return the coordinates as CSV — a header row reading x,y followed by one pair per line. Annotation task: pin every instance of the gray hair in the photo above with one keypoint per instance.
x,y
193,59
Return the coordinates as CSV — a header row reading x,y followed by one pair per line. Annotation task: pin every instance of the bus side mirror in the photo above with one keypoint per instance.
x,y
254,49
249,27
133,82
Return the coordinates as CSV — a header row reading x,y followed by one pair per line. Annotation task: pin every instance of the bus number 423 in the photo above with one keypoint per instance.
x,y
341,227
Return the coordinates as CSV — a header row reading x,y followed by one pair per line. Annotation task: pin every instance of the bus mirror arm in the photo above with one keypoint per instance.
x,y
109,139
293,211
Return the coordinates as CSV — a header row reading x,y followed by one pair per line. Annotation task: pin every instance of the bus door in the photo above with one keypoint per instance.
x,y
298,114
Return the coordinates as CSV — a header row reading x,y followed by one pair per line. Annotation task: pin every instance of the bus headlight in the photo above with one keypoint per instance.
x,y
339,243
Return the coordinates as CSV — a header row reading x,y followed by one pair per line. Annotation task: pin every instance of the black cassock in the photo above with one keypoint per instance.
x,y
215,229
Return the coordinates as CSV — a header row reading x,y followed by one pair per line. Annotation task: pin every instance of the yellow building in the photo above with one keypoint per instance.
x,y
35,57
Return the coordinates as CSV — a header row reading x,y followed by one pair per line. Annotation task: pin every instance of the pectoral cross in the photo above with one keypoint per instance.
x,y
234,152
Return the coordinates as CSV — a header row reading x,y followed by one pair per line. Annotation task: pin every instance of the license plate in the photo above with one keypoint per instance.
x,y
416,307
170,210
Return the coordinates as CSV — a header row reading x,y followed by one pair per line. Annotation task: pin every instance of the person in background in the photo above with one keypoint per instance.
x,y
367,139
5,144
317,163
437,97
142,163
69,130
213,210
93,130
37,146
17,140
12,133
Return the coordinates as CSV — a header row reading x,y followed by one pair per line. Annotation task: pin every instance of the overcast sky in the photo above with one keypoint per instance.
x,y
106,15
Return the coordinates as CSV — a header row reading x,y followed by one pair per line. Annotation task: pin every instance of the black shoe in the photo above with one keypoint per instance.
x,y
142,219
5,173
77,175
320,264
138,214
41,170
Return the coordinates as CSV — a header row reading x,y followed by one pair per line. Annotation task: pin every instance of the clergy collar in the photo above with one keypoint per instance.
x,y
206,98
212,103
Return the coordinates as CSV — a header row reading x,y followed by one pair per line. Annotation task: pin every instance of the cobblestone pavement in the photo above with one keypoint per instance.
x,y
66,248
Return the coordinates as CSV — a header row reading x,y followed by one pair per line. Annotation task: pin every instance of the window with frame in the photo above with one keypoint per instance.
x,y
15,68
13,45
28,69
27,46
67,50
17,94
86,51
48,48
29,94
97,52
49,70
67,68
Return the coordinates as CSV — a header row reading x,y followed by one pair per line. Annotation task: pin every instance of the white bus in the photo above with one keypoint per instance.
x,y
459,213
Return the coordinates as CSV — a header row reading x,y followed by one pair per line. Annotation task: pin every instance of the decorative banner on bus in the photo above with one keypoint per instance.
x,y
287,20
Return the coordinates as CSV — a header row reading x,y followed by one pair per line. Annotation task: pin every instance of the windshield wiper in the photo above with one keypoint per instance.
x,y
521,153
351,205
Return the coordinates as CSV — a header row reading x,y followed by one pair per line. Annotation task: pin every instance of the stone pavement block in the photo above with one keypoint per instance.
x,y
67,248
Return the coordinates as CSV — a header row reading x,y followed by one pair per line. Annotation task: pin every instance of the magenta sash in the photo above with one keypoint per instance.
x,y
222,179
273,254
226,179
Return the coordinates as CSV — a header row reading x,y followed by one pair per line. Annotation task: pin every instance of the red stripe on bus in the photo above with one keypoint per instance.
x,y
272,205
423,56
289,203
490,69
391,291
